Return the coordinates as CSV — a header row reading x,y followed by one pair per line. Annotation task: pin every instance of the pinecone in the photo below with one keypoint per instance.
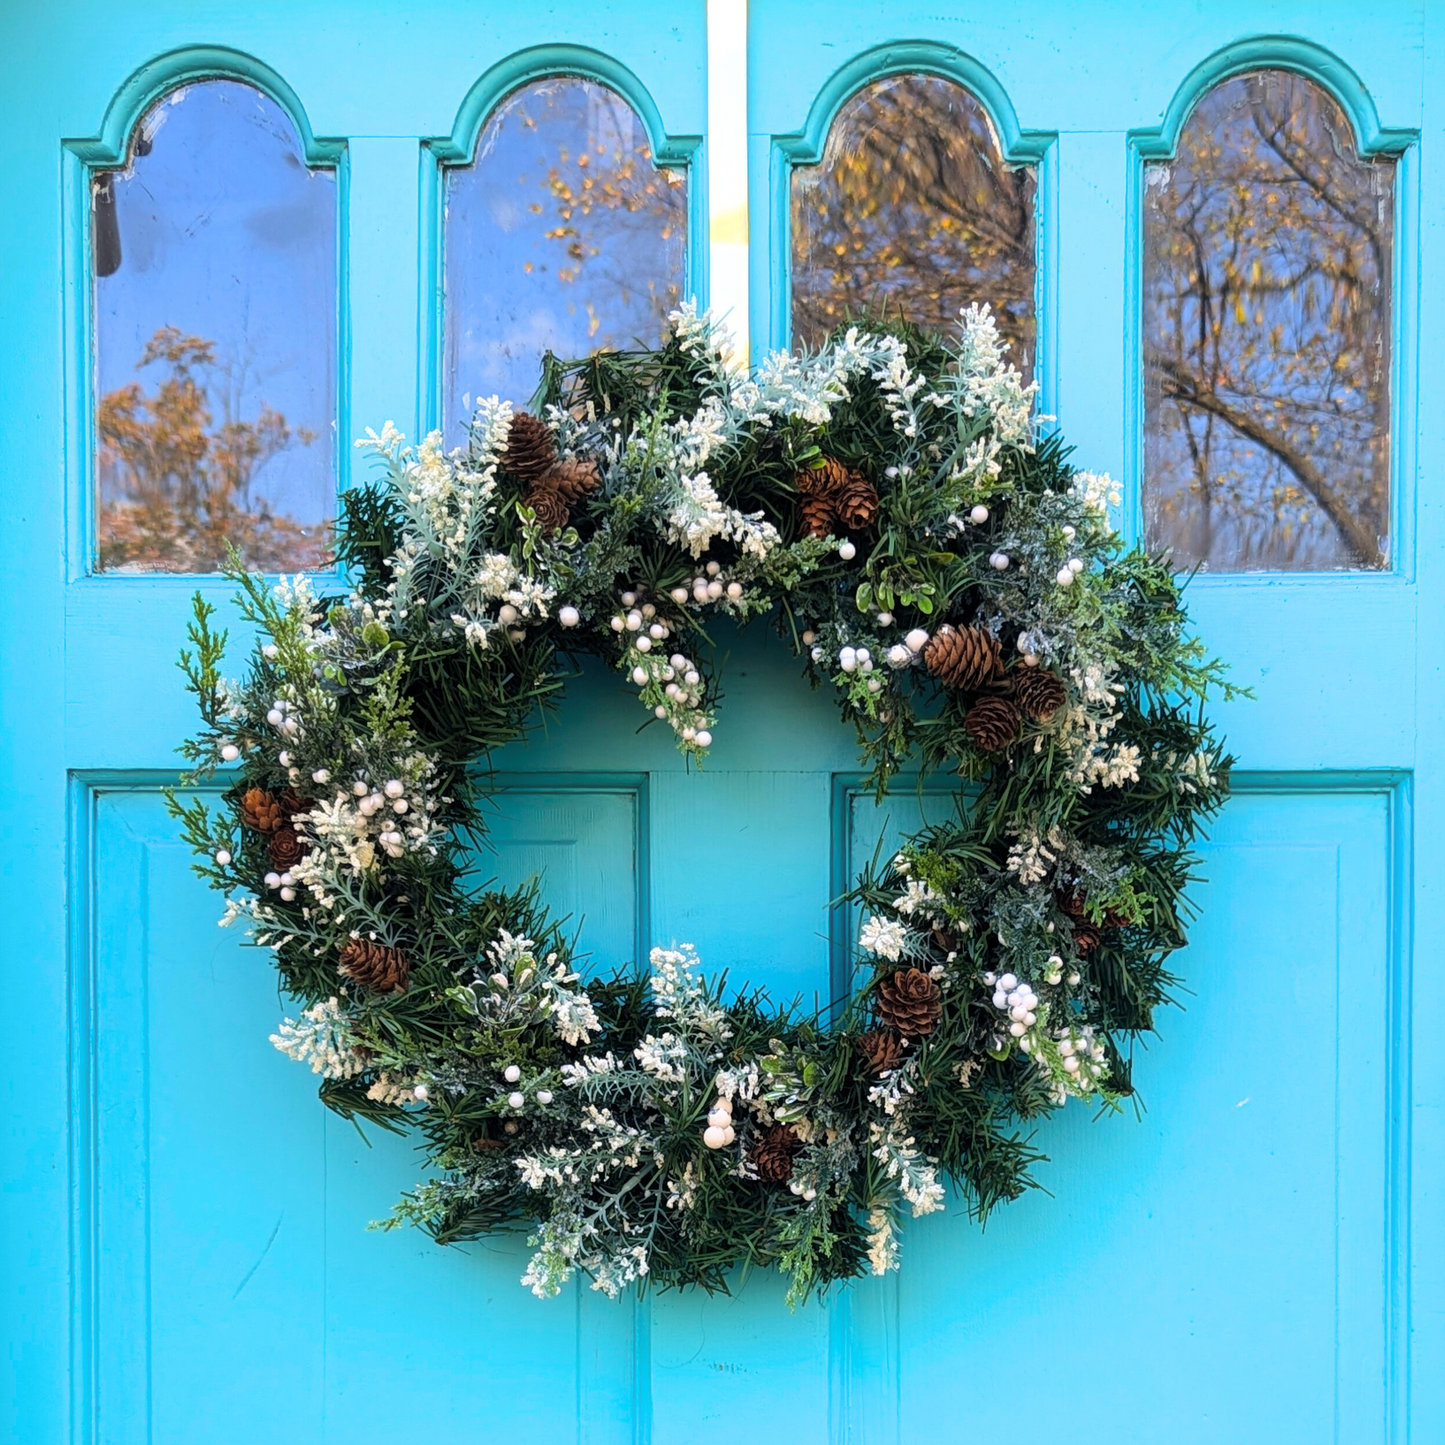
x,y
1086,936
815,515
825,480
856,503
993,723
1039,693
259,810
374,966
288,847
909,1000
572,480
880,1050
772,1155
291,803
549,505
963,657
1071,903
530,451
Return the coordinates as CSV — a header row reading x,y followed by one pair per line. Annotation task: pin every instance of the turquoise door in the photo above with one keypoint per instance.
x,y
340,193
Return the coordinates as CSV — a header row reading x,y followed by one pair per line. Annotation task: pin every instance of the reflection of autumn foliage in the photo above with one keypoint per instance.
x,y
176,484
913,210
609,202
1266,332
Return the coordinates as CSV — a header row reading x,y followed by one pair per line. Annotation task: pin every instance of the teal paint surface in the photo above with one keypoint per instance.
x,y
183,1249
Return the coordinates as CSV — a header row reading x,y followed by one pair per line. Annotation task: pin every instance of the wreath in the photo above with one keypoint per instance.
x,y
895,506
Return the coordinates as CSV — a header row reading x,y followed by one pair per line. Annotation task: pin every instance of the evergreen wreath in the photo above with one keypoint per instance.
x,y
892,503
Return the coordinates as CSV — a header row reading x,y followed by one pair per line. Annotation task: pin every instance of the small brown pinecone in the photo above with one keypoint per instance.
x,y
288,847
374,966
1039,693
1086,936
772,1155
815,515
880,1050
530,450
825,480
551,509
572,480
1072,904
993,723
963,657
291,803
910,1002
259,810
856,504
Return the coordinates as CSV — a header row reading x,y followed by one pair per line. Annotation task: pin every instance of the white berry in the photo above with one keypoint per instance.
x,y
639,675
230,752
714,1137
643,644
678,595
847,551
421,1093
544,1097
288,895
569,616
515,1100
223,856
885,619
1064,577
1076,564
999,561
916,640
979,515
511,1073
704,738
735,590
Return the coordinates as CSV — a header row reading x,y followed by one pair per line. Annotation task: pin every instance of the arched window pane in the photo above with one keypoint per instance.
x,y
561,234
1267,264
214,273
912,211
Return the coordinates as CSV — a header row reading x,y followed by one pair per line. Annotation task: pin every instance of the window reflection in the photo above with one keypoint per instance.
x,y
1267,265
214,273
913,211
561,234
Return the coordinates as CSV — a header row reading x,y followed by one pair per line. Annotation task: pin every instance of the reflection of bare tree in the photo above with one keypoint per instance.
x,y
609,203
1266,334
176,485
913,210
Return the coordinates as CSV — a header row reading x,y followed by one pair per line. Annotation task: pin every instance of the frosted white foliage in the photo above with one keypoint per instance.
x,y
321,1039
882,936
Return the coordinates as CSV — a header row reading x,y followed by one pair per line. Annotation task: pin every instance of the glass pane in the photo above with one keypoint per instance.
x,y
561,234
912,211
214,259
1267,336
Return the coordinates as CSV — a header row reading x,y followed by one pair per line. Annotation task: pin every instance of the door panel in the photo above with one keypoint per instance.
x,y
1231,1250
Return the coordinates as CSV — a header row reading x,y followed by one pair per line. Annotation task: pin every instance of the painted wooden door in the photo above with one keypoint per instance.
x,y
1257,1258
